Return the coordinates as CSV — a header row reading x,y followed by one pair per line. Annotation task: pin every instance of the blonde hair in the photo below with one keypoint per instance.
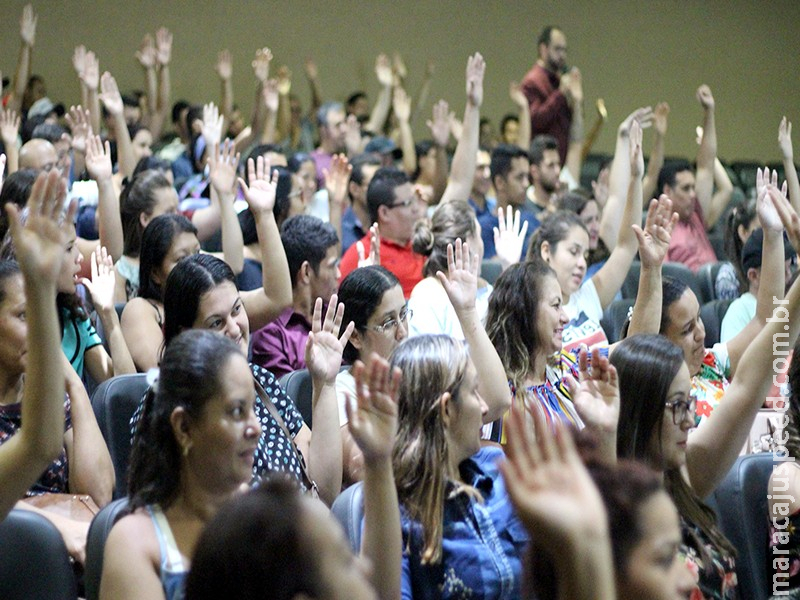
x,y
432,365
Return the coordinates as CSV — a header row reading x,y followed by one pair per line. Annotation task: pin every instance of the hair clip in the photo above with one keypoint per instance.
x,y
152,378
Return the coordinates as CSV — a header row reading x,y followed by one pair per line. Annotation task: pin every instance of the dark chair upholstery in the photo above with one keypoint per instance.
x,y
613,318
490,270
114,403
348,508
631,284
96,543
707,278
742,515
712,314
299,388
34,562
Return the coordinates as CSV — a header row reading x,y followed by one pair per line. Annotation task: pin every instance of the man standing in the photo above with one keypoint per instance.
x,y
549,86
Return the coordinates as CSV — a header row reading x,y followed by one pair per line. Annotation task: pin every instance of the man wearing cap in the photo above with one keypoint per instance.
x,y
386,149
743,309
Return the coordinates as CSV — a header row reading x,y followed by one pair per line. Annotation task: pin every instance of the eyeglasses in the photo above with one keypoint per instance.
x,y
391,324
680,408
405,203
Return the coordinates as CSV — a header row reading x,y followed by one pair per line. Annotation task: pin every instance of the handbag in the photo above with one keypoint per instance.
x,y
309,483
72,506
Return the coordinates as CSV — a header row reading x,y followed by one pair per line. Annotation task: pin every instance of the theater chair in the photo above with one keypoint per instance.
x,y
96,543
34,562
348,508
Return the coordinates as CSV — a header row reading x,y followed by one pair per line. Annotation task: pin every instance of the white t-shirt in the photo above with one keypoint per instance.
x,y
585,312
345,385
433,313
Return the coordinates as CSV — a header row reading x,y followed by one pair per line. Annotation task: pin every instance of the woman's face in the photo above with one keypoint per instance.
x,y
184,244
166,202
685,328
224,439
308,177
591,218
298,200
427,165
221,309
13,328
551,317
668,446
142,142
466,418
568,259
475,241
384,342
342,575
70,265
655,569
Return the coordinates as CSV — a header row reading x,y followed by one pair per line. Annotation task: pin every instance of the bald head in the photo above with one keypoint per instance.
x,y
37,154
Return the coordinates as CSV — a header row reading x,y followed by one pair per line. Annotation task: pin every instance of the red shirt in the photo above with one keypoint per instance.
x,y
400,260
689,244
550,112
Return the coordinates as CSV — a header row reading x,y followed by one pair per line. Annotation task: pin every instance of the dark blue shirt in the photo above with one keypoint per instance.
x,y
352,229
482,544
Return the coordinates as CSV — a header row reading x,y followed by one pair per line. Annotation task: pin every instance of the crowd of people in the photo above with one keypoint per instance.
x,y
446,304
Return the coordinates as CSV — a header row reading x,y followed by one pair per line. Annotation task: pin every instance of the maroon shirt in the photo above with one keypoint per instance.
x,y
280,346
549,110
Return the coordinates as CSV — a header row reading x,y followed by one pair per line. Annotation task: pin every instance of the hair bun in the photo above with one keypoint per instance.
x,y
423,239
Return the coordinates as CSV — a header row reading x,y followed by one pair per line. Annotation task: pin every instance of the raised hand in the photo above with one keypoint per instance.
x,y
575,85
39,243
374,257
660,114
399,66
768,215
383,70
78,120
476,67
325,346
163,46
101,285
310,67
372,414
9,127
260,194
352,135
549,485
785,139
636,156
509,237
98,158
643,115
401,105
337,178
440,125
704,97
787,214
109,94
516,94
212,124
222,163
271,96
79,59
90,76
261,63
224,66
146,54
284,80
461,280
655,237
27,25
596,393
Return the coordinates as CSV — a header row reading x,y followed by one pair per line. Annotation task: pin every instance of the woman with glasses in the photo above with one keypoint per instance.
x,y
657,412
374,302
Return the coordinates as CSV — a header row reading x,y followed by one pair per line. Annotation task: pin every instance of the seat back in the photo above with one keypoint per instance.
x,y
34,562
114,403
742,515
96,543
299,387
631,284
712,314
490,270
348,508
685,274
707,278
613,318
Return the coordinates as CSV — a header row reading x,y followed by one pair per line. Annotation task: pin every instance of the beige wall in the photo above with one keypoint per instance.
x,y
631,52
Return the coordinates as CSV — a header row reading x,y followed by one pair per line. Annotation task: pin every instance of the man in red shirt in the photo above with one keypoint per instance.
x,y
549,86
394,206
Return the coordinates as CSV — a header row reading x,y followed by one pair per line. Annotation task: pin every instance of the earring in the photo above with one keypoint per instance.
x,y
185,450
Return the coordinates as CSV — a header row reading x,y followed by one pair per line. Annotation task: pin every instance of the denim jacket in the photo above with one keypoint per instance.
x,y
482,544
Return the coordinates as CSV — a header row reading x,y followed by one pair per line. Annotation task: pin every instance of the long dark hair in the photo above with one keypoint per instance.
x,y
647,365
138,197
191,373
156,242
192,277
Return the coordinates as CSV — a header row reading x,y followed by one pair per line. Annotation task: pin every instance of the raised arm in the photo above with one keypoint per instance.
x,y
163,58
660,114
787,153
372,422
79,64
284,104
146,55
323,448
608,280
271,100
401,104
706,155
258,118
222,163
98,164
336,181
380,112
620,177
27,34
9,129
224,69
714,446
39,248
574,158
440,132
265,304
465,158
312,75
424,91
90,79
112,100
557,501
461,285
80,131
521,102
